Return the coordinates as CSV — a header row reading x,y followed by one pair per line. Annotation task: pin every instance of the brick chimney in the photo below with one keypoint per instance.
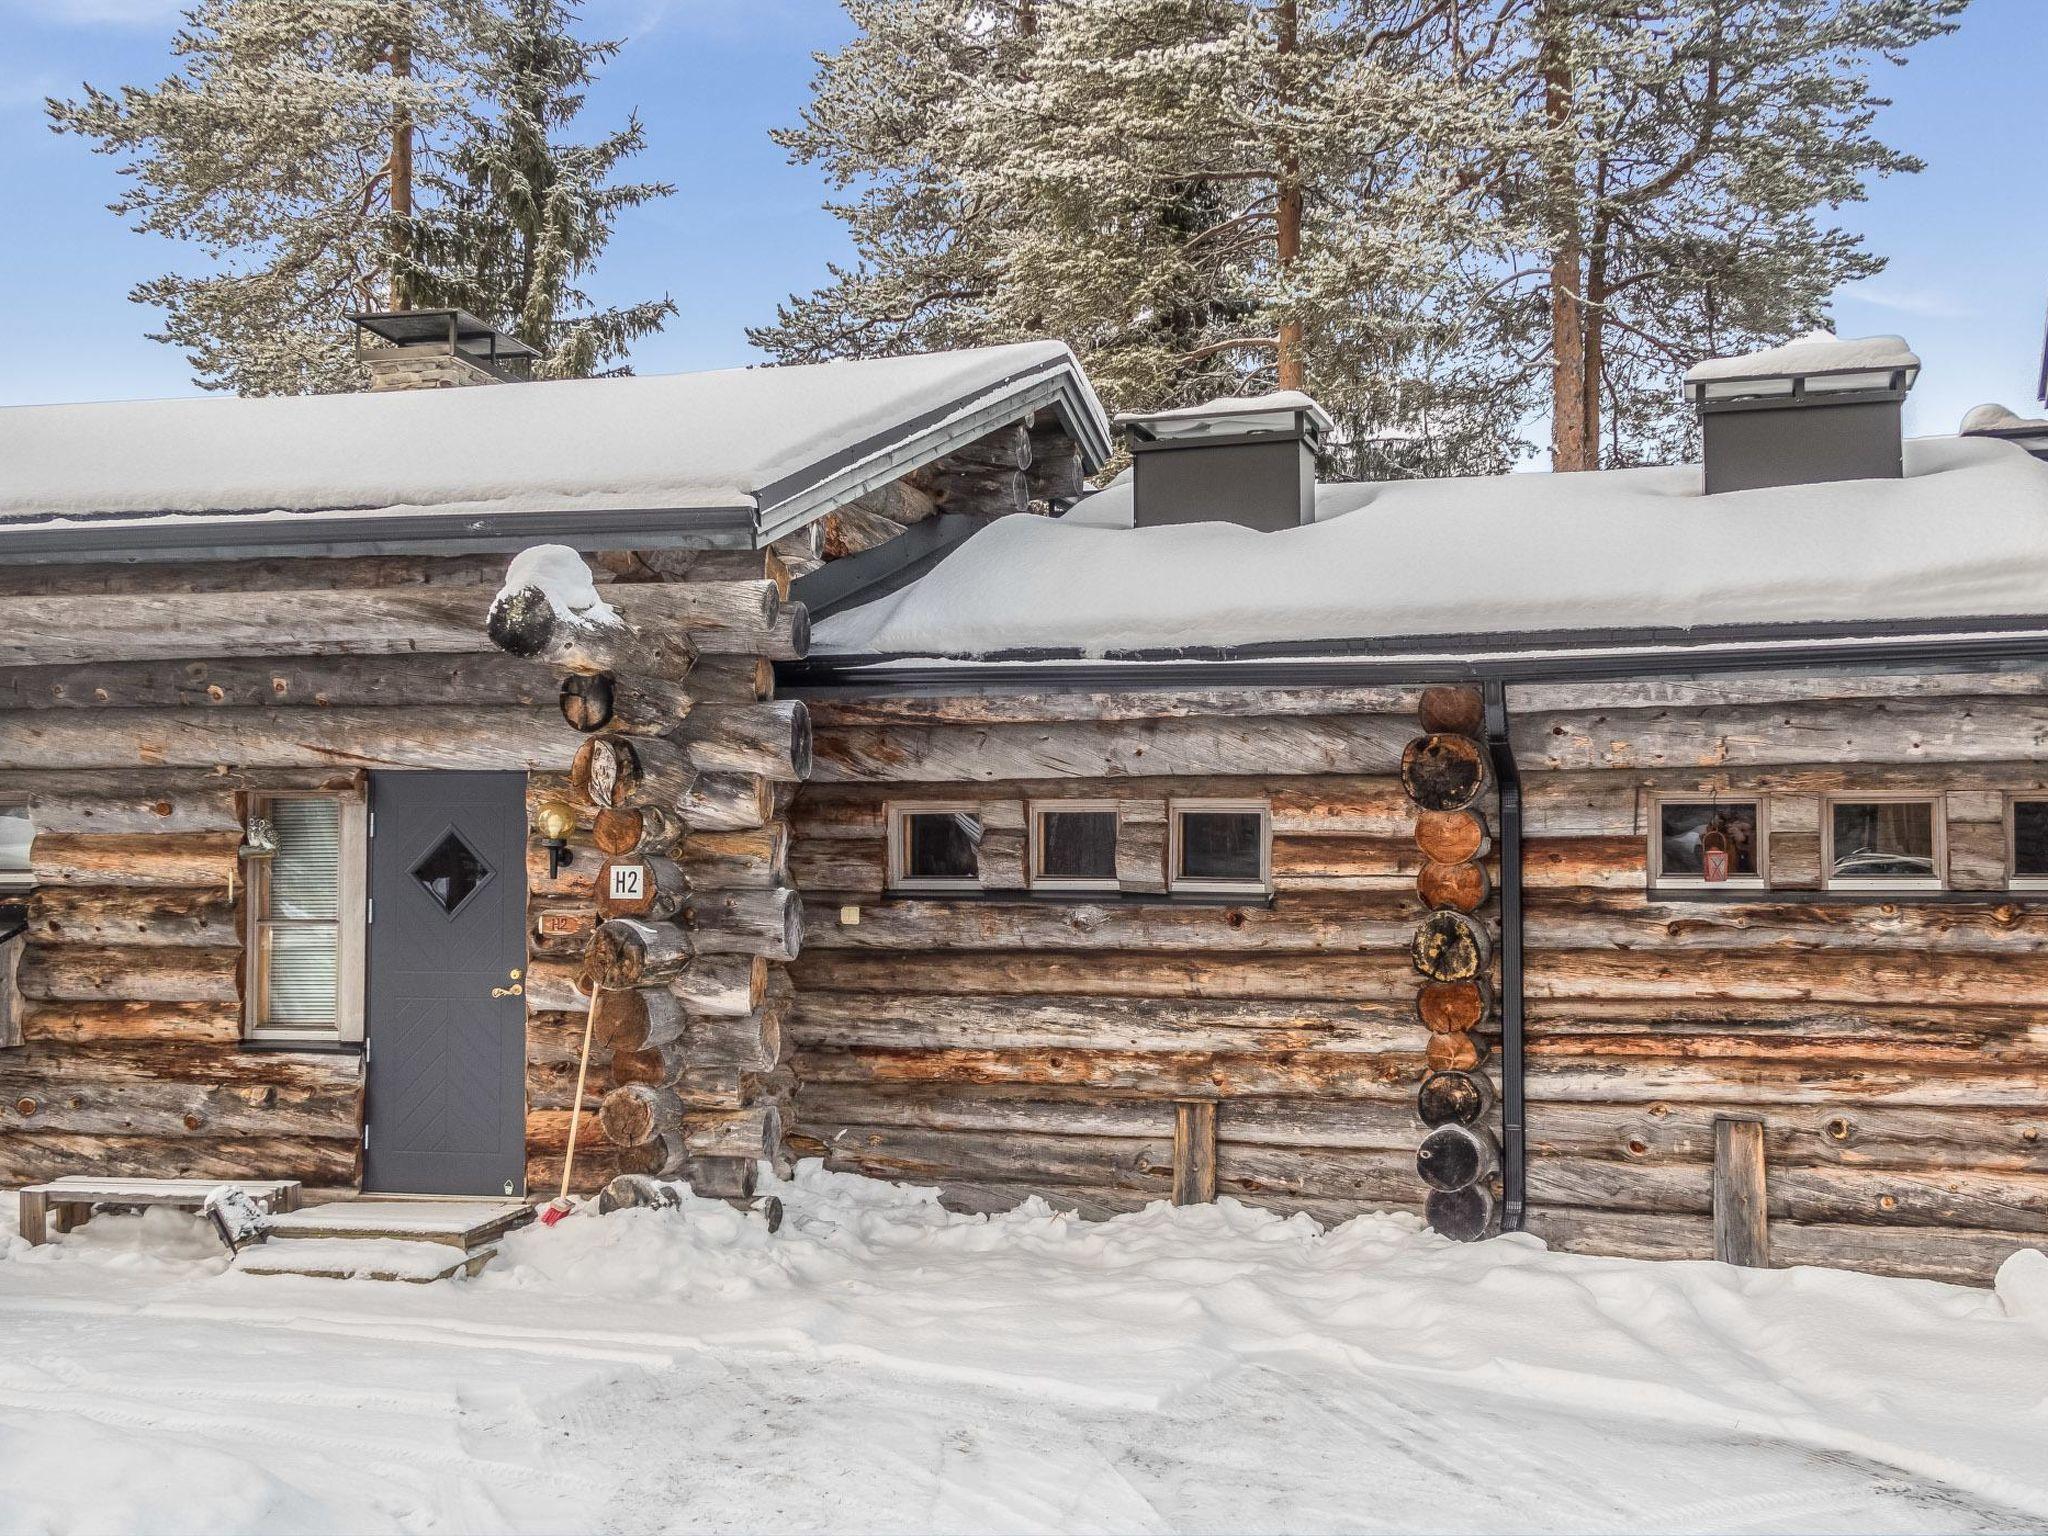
x,y
437,349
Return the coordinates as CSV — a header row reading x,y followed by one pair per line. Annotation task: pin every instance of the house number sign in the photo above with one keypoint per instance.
x,y
627,883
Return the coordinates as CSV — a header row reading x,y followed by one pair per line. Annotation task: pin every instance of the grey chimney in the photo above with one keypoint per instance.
x,y
1814,410
437,349
1245,461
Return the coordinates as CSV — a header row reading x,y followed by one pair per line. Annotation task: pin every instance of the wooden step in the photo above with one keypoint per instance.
x,y
364,1258
464,1224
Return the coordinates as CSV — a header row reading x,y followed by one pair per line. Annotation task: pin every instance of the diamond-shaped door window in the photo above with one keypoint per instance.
x,y
451,872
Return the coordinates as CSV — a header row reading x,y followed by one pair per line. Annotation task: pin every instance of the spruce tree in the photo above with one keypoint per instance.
x,y
521,217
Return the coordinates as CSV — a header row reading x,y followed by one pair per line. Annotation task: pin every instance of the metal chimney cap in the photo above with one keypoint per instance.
x,y
1285,410
1818,364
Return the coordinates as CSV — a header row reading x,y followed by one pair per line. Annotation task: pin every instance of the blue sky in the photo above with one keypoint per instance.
x,y
1968,238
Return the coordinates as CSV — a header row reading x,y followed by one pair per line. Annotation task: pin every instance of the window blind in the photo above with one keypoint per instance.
x,y
301,930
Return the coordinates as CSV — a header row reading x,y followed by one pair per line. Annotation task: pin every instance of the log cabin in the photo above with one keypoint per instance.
x,y
1651,860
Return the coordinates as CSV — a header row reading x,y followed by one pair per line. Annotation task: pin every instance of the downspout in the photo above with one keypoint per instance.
x,y
1514,1141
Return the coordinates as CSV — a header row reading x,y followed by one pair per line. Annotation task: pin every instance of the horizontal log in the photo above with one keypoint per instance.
x,y
1852,1134
630,773
1038,707
747,858
641,886
410,737
57,630
296,573
138,915
1933,731
1294,921
626,952
1651,1080
1606,919
1339,805
88,1021
747,922
637,1018
751,1132
122,813
130,974
727,802
175,1109
183,860
772,739
321,1162
153,1061
725,986
1112,749
268,681
1802,686
852,529
639,627
1598,803
638,705
1976,1026
1383,976
1032,1024
1198,1074
1848,976
637,1114
1336,862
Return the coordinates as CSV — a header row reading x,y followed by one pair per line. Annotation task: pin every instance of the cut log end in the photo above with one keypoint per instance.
x,y
523,622
1452,837
1453,887
1453,1053
1444,772
1464,1215
1454,1157
634,1115
1458,711
1449,946
1453,1007
586,701
1454,1098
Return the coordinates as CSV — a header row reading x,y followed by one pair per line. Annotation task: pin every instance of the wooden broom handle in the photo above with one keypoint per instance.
x,y
576,1105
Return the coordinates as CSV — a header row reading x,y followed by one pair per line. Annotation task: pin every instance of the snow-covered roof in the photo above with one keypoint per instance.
x,y
734,457
1815,352
1963,534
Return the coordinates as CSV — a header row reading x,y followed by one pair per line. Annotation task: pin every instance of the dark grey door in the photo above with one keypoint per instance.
x,y
446,1005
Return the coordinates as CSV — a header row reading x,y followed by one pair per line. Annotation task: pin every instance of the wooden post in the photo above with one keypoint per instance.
x,y
1742,1223
1194,1151
34,1214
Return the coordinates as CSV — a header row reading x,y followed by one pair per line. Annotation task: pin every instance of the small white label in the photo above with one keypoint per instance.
x,y
629,882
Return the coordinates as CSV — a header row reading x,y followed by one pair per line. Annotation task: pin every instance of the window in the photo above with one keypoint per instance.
x,y
1878,842
16,833
1073,846
1220,845
934,848
2027,841
1708,842
306,906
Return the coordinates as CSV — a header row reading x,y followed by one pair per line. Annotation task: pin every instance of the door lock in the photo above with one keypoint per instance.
x,y
515,990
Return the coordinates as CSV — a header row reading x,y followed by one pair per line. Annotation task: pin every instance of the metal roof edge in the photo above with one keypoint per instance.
x,y
1589,655
190,537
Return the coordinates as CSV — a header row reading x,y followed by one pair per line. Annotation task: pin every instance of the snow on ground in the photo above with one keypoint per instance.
x,y
883,1365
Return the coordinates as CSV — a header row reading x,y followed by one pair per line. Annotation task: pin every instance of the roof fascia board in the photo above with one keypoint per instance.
x,y
2018,643
795,500
179,537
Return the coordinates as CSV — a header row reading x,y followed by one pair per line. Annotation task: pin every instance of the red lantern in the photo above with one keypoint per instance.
x,y
1714,855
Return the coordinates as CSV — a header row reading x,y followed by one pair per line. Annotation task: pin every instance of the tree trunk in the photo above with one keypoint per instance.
x,y
1568,446
1291,370
401,185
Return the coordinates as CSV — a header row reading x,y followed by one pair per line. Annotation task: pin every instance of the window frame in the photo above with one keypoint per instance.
x,y
900,812
1034,876
351,929
1654,845
2014,880
19,882
1937,812
1176,882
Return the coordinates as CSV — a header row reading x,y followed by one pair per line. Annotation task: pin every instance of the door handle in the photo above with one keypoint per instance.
x,y
515,990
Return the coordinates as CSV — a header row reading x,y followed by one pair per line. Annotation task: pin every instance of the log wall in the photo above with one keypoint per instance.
x,y
141,707
1011,1045
1892,1047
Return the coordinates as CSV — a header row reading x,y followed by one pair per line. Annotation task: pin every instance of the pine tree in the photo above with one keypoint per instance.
x,y
1691,154
284,149
521,217
1201,196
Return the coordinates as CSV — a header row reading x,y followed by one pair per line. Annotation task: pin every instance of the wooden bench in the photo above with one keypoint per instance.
x,y
65,1203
